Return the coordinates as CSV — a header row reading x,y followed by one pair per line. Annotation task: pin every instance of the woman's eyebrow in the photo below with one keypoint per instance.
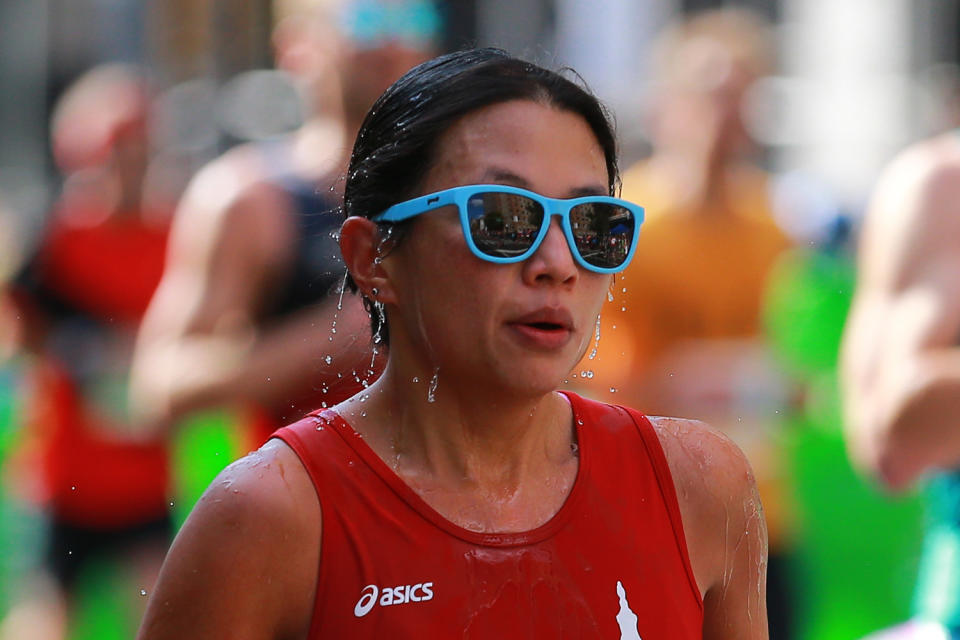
x,y
581,192
505,176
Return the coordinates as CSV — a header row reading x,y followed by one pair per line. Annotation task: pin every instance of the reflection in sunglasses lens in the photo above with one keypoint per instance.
x,y
602,233
503,225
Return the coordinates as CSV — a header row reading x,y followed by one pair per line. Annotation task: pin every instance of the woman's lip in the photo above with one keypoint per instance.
x,y
539,336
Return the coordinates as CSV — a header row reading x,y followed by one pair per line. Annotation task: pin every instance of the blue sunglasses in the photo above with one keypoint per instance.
x,y
506,224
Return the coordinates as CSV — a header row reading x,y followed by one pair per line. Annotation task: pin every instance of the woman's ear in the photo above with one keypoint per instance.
x,y
360,245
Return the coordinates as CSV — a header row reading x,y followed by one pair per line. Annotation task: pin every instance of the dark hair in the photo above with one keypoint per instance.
x,y
396,144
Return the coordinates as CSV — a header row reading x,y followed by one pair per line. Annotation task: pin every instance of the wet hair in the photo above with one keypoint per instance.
x,y
397,142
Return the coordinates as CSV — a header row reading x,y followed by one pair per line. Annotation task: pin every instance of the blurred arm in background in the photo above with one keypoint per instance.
x,y
205,341
901,349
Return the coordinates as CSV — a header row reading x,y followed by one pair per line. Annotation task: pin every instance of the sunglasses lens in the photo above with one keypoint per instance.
x,y
503,225
603,233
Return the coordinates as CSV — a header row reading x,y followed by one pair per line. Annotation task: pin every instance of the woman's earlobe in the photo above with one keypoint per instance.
x,y
360,244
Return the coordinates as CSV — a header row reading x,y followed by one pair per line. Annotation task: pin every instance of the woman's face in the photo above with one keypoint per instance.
x,y
518,327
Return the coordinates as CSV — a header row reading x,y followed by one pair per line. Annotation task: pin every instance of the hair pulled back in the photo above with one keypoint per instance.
x,y
397,142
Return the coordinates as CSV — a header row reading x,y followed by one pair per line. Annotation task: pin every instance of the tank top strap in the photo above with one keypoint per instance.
x,y
613,419
668,490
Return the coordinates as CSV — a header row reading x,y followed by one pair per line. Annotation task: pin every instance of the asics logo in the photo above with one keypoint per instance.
x,y
420,592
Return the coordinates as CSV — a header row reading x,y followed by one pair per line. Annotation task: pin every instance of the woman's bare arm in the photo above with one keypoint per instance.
x,y
724,527
245,563
900,353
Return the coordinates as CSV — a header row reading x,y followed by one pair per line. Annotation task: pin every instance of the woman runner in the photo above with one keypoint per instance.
x,y
462,495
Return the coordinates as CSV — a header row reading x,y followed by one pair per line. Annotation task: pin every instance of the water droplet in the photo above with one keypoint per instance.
x,y
323,405
623,308
609,296
613,389
587,374
415,379
624,290
143,592
73,488
319,427
375,291
363,414
171,503
596,340
434,381
350,463
364,397
328,359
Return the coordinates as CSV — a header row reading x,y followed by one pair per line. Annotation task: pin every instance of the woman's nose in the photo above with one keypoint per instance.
x,y
553,259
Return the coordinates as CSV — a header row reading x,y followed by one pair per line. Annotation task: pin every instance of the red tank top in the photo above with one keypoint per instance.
x,y
612,563
107,271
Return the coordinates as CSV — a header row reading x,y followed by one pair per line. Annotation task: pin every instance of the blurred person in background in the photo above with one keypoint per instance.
x,y
901,362
250,310
681,333
76,305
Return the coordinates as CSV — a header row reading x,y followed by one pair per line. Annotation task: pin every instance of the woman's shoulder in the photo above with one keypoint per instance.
x,y
253,526
705,463
715,487
265,498
269,481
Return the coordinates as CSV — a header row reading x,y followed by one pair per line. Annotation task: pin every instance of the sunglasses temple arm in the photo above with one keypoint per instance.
x,y
411,208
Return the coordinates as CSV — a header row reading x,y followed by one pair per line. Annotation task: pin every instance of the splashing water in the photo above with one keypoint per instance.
x,y
378,336
336,315
434,381
343,287
596,340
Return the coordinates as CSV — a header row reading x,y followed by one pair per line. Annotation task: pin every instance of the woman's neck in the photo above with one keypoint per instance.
x,y
453,445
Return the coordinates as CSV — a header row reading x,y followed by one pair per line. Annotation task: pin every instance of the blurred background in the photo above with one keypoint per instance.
x,y
798,102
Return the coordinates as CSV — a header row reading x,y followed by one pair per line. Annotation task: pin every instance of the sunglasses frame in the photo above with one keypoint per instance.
x,y
460,196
